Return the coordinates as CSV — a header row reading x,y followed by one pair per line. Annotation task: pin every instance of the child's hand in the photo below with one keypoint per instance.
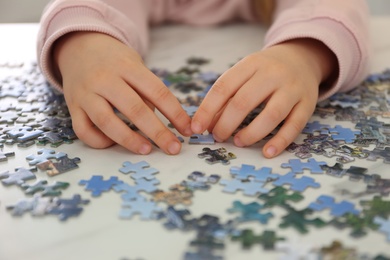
x,y
286,77
99,73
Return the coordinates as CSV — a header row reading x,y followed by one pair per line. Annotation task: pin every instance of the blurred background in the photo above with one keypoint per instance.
x,y
26,11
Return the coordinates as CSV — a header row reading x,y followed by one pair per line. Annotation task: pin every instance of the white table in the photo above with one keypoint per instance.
x,y
98,233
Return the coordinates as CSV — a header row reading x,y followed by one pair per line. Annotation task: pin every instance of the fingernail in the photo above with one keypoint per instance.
x,y
271,151
238,142
196,127
188,131
174,148
144,149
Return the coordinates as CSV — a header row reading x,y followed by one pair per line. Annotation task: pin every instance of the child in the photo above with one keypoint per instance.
x,y
91,50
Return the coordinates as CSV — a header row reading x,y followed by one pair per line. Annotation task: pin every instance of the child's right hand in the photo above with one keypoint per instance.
x,y
99,73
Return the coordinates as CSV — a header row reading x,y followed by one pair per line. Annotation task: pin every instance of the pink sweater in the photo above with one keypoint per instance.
x,y
342,25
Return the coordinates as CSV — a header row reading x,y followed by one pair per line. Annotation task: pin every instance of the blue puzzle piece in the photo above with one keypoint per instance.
x,y
129,192
147,209
202,139
246,171
313,127
139,170
190,110
336,209
18,177
297,166
296,184
44,155
384,226
343,134
250,188
97,185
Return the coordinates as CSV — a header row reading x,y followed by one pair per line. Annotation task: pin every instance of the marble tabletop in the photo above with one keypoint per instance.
x,y
98,233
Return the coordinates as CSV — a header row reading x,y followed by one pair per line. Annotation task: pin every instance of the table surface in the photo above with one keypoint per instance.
x,y
98,233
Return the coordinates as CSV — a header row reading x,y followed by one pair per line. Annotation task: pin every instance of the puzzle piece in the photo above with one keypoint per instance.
x,y
66,208
279,196
202,139
344,134
247,238
298,220
97,185
4,155
63,164
250,188
216,155
337,209
296,251
179,219
247,171
297,166
140,170
384,226
44,188
250,212
147,209
376,207
296,184
313,127
44,155
18,177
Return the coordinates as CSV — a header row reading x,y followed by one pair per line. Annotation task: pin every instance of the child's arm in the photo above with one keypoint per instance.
x,y
313,49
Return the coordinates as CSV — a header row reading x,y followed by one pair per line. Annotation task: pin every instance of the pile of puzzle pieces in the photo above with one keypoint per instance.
x,y
32,114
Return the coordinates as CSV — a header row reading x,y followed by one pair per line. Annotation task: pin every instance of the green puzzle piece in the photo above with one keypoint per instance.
x,y
248,239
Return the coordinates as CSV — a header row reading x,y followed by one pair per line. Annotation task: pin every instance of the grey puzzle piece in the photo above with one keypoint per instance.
x,y
297,166
246,171
44,155
140,170
336,209
250,188
17,177
296,184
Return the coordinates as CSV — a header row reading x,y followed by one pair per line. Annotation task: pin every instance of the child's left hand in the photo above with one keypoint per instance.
x,y
286,77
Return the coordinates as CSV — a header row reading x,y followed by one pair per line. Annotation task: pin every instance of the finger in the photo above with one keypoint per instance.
x,y
86,131
291,128
130,104
248,97
274,112
216,118
222,90
102,115
148,85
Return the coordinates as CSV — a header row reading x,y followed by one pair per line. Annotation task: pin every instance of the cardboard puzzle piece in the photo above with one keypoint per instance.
x,y
45,189
201,139
250,212
298,220
247,238
62,165
44,155
246,171
66,208
384,226
97,185
296,184
280,196
249,188
147,209
18,177
139,170
4,155
344,134
216,155
336,209
297,166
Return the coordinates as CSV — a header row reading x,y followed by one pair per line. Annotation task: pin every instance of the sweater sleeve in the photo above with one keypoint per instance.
x,y
341,25
126,21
